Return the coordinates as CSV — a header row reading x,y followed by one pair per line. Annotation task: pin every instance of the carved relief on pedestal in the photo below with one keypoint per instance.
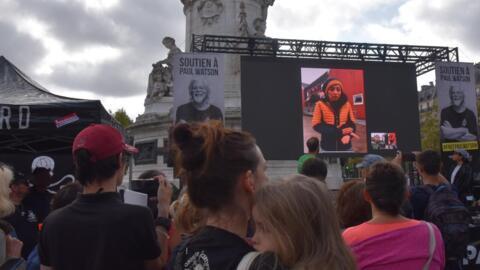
x,y
209,11
243,24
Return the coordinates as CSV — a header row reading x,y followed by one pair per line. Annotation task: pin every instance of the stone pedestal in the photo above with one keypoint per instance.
x,y
147,128
161,106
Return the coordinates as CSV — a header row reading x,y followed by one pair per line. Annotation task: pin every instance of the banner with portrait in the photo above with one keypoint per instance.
x,y
198,85
457,102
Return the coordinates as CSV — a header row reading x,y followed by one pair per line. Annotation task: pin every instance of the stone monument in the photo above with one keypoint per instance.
x,y
245,18
216,17
150,130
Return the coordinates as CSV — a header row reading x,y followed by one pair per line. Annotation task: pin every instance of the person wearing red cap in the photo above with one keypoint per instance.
x,y
333,118
98,231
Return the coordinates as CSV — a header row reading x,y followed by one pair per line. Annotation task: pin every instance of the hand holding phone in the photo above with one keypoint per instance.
x,y
164,195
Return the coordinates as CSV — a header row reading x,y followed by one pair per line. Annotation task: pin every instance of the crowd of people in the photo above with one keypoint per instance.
x,y
229,215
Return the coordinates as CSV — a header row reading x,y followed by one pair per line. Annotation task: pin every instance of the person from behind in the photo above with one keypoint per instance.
x,y
389,240
315,168
223,168
437,201
461,174
10,246
65,196
23,220
39,197
367,162
313,145
352,208
109,234
295,219
428,164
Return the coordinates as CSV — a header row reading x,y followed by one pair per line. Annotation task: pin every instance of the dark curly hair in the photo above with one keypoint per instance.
x,y
386,185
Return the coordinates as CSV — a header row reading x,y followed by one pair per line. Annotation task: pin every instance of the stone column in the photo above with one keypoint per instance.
x,y
225,17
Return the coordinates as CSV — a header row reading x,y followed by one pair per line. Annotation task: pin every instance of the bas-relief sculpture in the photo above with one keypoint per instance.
x,y
259,25
209,11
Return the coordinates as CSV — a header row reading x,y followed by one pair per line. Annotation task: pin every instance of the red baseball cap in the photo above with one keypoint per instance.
x,y
101,141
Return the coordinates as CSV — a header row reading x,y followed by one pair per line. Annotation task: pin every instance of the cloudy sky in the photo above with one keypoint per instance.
x,y
103,49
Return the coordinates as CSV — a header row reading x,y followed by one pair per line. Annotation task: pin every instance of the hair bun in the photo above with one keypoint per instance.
x,y
182,135
191,154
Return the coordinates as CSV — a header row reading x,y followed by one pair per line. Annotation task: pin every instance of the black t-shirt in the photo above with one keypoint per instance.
x,y
212,248
466,119
189,113
39,203
25,224
98,231
267,261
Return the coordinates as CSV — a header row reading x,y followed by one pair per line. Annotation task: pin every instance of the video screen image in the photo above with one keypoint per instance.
x,y
333,107
383,140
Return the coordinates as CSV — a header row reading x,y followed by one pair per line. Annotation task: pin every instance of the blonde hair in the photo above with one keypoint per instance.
x,y
300,215
188,219
6,205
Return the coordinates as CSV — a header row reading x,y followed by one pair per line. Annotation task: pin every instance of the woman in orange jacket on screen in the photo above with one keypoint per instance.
x,y
333,118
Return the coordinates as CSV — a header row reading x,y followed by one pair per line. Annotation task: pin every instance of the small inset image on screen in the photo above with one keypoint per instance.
x,y
333,107
383,140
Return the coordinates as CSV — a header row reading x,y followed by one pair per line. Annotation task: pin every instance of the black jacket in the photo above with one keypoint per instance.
x,y
463,180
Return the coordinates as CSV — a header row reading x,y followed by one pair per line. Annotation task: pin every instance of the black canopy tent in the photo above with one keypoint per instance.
x,y
35,122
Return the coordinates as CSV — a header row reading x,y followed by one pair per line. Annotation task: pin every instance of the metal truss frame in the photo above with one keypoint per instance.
x,y
424,57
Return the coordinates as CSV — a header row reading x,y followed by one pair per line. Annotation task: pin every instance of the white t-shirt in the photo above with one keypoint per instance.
x,y
454,173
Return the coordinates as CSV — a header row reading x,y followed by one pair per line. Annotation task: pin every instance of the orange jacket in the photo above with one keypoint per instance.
x,y
323,112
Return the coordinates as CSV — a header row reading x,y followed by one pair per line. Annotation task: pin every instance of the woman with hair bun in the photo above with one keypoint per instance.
x,y
223,168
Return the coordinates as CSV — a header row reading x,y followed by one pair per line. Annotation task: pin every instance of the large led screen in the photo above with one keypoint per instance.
x,y
353,108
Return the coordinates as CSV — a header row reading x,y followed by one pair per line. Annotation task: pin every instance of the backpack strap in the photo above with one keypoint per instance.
x,y
247,260
431,246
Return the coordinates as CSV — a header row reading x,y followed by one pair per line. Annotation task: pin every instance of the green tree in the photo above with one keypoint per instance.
x,y
430,129
122,117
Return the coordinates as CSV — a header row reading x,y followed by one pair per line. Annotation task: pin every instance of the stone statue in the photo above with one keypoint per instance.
x,y
265,4
160,80
160,83
169,43
259,25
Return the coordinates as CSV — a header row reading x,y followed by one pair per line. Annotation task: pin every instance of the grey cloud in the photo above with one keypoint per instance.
x,y
110,79
458,20
135,27
71,22
19,48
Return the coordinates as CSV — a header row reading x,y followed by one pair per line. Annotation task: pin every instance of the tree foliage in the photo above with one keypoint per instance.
x,y
430,128
122,117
